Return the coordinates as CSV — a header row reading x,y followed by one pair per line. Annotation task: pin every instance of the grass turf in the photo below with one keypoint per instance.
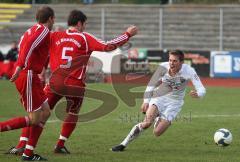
x,y
189,139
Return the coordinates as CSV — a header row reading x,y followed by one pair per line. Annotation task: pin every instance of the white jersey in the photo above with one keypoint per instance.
x,y
176,83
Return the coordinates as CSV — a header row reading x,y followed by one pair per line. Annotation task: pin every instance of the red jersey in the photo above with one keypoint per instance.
x,y
71,46
34,48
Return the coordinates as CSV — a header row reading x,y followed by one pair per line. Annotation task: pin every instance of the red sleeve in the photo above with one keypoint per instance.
x,y
95,44
35,37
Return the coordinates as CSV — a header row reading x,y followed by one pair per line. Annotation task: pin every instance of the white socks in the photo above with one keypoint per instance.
x,y
134,133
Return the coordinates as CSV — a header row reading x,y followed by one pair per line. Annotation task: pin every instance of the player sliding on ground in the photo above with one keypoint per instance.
x,y
164,96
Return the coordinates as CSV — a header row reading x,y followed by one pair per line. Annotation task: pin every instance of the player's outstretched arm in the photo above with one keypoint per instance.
x,y
96,44
200,90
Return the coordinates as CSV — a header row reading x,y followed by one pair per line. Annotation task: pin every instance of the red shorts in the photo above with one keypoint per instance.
x,y
73,103
30,88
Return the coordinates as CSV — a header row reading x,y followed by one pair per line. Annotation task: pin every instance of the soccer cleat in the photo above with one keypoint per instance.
x,y
118,148
15,151
61,150
34,157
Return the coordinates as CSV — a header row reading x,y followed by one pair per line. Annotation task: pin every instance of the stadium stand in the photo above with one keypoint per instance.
x,y
183,26
8,13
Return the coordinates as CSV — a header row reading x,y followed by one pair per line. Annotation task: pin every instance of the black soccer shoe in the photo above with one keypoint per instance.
x,y
61,150
118,148
34,157
15,151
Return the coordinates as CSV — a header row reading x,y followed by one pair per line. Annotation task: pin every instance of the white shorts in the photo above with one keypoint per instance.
x,y
167,108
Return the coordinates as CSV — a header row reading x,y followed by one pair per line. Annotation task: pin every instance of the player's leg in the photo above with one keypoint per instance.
x,y
69,123
38,119
14,123
151,114
169,110
161,126
19,122
23,138
39,112
19,148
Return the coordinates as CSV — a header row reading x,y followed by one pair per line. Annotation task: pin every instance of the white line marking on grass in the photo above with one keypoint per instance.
x,y
184,115
215,115
53,121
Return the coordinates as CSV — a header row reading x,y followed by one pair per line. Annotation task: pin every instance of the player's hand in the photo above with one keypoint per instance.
x,y
193,94
42,75
132,30
144,107
15,74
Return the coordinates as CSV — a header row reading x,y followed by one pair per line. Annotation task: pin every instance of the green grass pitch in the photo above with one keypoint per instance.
x,y
189,139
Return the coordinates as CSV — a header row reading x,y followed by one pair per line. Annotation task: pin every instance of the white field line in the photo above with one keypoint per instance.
x,y
53,121
185,115
181,115
215,115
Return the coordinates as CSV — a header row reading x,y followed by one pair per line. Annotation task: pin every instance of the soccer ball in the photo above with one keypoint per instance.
x,y
223,137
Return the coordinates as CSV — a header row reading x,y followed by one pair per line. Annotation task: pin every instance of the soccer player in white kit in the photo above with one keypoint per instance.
x,y
164,96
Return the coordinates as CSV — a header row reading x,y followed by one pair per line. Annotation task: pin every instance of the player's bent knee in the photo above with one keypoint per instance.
x,y
161,128
46,111
157,133
34,121
45,115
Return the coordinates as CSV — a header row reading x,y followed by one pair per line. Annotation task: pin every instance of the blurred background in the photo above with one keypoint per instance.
x,y
206,30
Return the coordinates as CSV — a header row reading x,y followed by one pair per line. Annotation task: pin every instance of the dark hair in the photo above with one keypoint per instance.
x,y
178,53
75,16
44,13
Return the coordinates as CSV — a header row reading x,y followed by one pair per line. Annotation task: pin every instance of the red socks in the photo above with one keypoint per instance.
x,y
34,134
31,134
24,137
68,126
14,123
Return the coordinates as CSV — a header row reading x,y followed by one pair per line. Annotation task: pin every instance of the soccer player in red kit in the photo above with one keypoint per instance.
x,y
69,53
69,48
33,54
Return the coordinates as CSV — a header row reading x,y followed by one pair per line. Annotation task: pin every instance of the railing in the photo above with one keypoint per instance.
x,y
183,27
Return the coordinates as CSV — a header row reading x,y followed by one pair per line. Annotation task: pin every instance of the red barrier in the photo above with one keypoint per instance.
x,y
212,82
1,69
7,68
